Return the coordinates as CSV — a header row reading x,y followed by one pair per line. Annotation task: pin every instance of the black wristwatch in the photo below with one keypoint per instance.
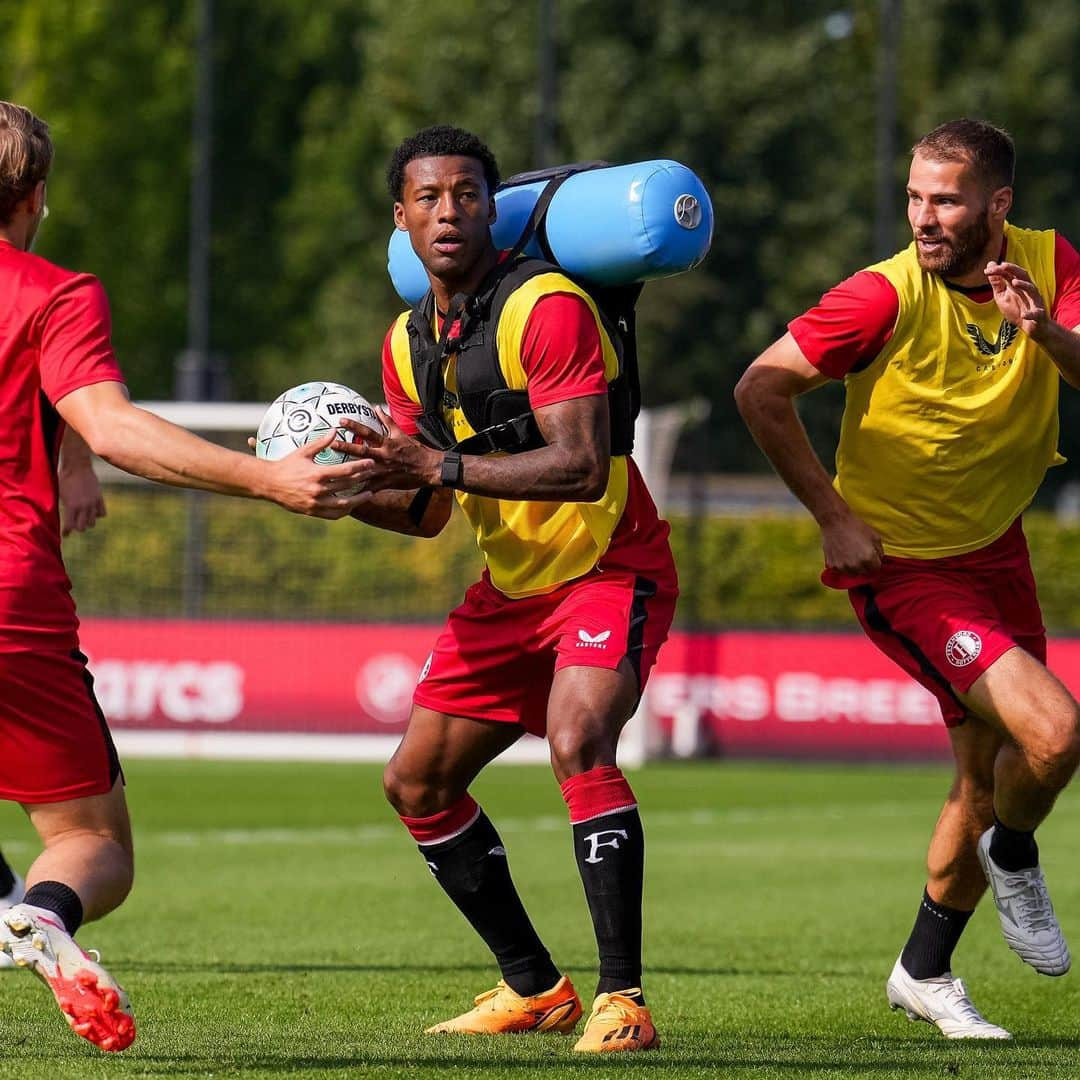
x,y
451,472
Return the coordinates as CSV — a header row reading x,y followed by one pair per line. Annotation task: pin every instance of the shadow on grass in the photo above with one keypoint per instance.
x,y
924,1059
166,967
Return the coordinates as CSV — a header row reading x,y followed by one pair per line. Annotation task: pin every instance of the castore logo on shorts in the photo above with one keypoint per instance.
x,y
588,641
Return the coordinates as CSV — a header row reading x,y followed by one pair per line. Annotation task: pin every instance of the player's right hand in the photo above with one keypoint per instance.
x,y
853,552
299,484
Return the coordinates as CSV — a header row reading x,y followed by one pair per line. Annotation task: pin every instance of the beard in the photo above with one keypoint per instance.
x,y
963,252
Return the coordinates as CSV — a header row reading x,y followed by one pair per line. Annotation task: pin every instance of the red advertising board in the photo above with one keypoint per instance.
x,y
739,692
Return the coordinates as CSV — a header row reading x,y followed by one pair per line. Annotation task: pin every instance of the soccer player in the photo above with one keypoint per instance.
x,y
57,368
559,635
951,354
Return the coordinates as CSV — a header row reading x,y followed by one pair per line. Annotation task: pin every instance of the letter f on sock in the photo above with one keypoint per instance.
x,y
596,841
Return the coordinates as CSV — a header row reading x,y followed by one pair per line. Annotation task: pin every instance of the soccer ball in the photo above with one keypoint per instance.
x,y
311,411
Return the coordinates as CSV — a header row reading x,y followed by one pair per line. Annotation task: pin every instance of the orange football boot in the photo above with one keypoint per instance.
x,y
617,1022
502,1012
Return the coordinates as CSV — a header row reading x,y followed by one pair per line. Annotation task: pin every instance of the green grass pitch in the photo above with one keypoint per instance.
x,y
283,924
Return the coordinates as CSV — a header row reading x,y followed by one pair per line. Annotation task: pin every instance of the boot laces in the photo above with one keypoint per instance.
x,y
957,996
1032,901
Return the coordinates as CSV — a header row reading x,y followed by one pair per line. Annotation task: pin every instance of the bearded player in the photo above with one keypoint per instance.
x,y
951,354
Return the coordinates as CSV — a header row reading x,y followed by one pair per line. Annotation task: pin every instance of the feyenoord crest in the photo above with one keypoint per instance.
x,y
687,211
963,647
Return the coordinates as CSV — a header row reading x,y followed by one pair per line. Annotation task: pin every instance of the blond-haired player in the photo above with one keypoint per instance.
x,y
57,368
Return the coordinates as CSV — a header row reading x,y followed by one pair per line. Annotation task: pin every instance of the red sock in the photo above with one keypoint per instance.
x,y
444,825
601,790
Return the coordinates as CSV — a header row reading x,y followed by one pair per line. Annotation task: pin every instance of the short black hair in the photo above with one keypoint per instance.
x,y
440,140
987,149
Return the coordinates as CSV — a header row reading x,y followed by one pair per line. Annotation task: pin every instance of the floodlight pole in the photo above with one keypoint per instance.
x,y
193,372
888,49
196,376
547,85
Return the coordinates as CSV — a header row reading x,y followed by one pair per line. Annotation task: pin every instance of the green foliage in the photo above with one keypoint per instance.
x,y
162,552
257,561
776,116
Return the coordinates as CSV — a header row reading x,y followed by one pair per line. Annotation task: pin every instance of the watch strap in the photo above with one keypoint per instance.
x,y
451,472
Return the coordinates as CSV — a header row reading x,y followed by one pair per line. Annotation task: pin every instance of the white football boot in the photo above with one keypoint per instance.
x,y
1026,914
91,1000
943,1002
12,898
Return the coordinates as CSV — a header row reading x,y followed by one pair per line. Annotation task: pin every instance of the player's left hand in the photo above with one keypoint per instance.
x,y
395,460
81,499
1017,297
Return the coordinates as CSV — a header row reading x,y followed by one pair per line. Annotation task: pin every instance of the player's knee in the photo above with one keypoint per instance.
x,y
396,788
413,796
1053,751
574,750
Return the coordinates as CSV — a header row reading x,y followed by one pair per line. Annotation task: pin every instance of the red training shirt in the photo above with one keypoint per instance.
x,y
54,338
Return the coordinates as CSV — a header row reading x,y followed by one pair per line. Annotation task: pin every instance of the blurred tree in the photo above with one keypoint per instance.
x,y
772,103
114,83
336,218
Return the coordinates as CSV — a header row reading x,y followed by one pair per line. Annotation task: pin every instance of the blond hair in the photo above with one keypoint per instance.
x,y
26,153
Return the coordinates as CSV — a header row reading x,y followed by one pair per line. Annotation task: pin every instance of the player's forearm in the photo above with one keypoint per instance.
x,y
141,443
413,513
778,431
1063,347
74,453
549,474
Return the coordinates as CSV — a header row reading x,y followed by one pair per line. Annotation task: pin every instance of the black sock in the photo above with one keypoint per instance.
x,y
937,929
1013,849
7,877
473,870
610,854
59,898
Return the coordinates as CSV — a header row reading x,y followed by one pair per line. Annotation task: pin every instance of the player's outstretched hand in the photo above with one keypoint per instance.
x,y
1017,296
81,499
394,460
298,483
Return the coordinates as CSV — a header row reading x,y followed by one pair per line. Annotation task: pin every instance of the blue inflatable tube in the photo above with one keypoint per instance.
x,y
610,225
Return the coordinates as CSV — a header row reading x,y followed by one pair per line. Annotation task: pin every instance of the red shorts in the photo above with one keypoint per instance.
x,y
496,657
56,744
945,621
